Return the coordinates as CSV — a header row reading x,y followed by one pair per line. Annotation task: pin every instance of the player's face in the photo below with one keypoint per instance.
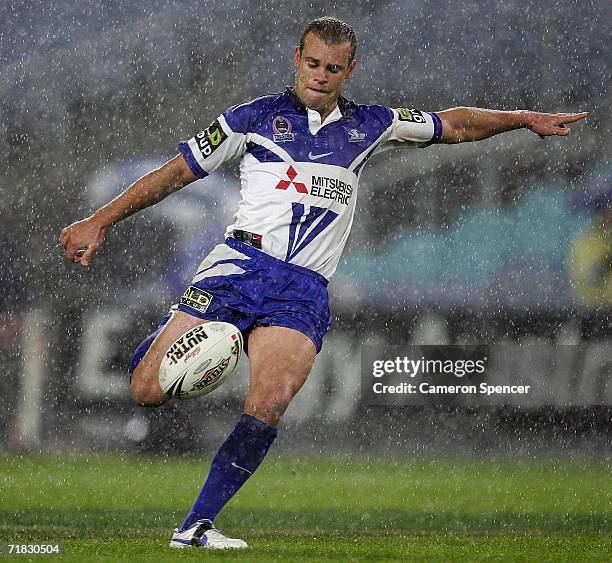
x,y
320,73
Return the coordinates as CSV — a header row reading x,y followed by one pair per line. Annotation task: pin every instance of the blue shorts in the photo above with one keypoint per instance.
x,y
239,284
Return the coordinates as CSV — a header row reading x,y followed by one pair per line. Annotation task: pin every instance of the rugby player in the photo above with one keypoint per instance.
x,y
302,152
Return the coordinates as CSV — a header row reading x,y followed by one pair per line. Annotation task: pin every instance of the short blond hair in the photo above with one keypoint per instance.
x,y
333,32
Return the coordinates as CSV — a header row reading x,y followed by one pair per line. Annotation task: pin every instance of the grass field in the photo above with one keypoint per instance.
x,y
314,508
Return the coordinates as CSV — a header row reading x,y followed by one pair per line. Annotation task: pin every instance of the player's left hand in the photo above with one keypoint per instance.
x,y
546,124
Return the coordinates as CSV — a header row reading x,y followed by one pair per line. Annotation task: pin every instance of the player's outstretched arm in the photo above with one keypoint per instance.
x,y
82,239
473,124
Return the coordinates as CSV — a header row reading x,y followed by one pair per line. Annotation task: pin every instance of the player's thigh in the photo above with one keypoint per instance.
x,y
145,379
280,360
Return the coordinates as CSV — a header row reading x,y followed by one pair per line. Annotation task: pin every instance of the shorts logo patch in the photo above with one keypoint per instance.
x,y
196,298
413,115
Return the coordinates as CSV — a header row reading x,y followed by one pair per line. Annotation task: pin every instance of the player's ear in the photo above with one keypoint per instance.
x,y
351,68
296,56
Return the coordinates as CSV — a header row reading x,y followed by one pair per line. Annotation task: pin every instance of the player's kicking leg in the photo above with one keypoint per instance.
x,y
280,360
147,392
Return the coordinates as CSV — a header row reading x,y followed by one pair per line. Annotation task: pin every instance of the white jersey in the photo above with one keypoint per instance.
x,y
299,176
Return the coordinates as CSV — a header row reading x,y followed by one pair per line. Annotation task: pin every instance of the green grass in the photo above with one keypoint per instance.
x,y
314,508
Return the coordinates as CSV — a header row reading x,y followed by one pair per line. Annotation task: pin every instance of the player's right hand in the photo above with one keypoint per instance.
x,y
82,239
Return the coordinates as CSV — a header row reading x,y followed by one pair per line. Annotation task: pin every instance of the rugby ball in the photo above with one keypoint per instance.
x,y
200,360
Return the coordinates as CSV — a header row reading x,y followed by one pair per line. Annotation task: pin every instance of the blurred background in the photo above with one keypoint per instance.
x,y
507,240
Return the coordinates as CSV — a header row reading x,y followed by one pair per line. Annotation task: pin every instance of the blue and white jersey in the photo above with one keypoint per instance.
x,y
299,176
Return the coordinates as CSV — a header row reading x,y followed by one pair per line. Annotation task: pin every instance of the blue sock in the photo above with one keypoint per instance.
x,y
235,461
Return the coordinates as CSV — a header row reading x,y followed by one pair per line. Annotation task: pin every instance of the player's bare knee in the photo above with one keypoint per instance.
x,y
146,394
146,397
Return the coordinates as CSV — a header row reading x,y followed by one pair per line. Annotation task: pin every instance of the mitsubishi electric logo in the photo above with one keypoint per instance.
x,y
284,184
320,186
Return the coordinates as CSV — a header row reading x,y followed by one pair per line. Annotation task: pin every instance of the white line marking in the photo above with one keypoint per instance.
x,y
243,469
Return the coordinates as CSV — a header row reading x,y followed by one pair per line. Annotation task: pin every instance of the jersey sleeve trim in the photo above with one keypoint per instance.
x,y
411,128
437,126
187,153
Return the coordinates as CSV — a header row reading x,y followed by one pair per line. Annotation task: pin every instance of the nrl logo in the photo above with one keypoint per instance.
x,y
355,136
283,130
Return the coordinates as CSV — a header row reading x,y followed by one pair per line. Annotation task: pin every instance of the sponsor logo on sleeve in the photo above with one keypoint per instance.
x,y
196,298
210,139
283,130
413,115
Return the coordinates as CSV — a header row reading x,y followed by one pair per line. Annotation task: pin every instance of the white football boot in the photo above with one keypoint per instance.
x,y
204,534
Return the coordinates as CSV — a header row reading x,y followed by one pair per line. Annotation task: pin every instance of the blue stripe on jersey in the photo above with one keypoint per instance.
x,y
191,161
298,214
262,154
297,210
295,245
